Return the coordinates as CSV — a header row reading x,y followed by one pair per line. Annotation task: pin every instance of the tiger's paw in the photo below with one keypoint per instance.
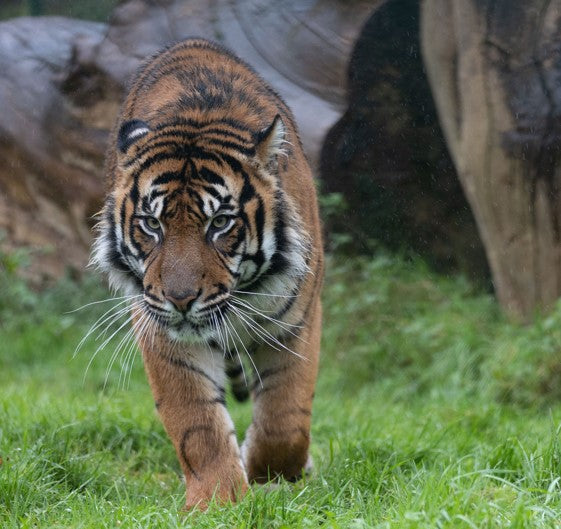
x,y
200,495
276,483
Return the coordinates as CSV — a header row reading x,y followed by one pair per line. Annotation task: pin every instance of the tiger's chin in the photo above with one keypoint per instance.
x,y
188,332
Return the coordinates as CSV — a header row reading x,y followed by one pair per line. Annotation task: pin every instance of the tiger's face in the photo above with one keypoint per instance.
x,y
195,214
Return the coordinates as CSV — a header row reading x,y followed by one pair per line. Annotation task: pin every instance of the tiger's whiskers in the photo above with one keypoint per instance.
x,y
107,340
246,351
249,322
106,323
228,333
113,314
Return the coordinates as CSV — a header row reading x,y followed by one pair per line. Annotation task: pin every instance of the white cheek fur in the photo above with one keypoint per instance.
x,y
100,259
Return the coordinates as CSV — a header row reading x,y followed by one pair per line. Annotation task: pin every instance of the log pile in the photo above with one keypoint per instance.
x,y
62,82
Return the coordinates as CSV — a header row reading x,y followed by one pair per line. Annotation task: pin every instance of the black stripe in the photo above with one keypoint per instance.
x,y
225,264
158,311
260,221
211,177
219,400
179,153
151,296
234,164
256,386
195,197
211,402
115,257
197,135
318,279
266,373
193,368
290,302
226,132
240,394
150,147
248,192
198,124
220,289
215,194
231,145
237,242
152,160
186,434
234,371
167,177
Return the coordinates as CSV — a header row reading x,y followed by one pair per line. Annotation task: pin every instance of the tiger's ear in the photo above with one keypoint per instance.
x,y
270,142
130,133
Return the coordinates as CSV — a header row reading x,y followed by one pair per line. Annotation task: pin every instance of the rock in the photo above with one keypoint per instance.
x,y
63,81
49,156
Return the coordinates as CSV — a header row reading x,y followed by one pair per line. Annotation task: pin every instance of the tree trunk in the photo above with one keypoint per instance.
x,y
494,67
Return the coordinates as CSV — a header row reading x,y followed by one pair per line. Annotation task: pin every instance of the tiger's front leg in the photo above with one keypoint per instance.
x,y
277,442
187,384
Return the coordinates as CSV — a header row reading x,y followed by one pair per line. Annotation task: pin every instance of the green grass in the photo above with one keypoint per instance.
x,y
432,411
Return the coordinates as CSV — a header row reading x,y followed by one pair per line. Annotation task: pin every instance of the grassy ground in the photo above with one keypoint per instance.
x,y
431,412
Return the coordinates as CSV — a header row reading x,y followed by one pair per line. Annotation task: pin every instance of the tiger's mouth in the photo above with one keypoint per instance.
x,y
186,326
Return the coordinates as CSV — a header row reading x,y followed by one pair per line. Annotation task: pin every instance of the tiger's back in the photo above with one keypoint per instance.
x,y
211,218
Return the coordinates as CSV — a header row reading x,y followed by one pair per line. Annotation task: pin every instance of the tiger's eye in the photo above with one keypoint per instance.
x,y
219,221
153,223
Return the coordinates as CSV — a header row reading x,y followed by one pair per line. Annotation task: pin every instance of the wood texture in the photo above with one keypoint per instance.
x,y
494,68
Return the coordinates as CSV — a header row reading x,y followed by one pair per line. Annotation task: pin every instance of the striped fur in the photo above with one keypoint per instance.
x,y
211,216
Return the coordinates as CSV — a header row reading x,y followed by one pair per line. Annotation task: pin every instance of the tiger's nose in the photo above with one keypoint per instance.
x,y
182,301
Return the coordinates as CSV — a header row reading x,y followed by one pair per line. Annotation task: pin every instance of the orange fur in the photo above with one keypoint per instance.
x,y
197,118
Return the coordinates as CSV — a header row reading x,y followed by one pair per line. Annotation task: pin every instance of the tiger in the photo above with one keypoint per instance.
x,y
211,224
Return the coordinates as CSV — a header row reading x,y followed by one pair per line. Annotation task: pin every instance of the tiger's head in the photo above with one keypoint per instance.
x,y
194,213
